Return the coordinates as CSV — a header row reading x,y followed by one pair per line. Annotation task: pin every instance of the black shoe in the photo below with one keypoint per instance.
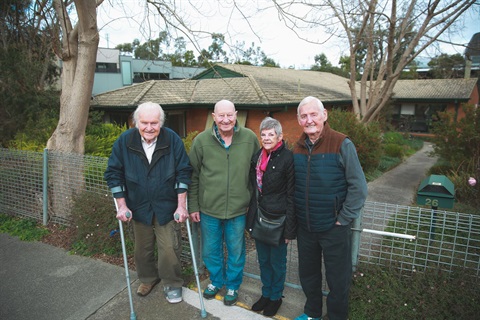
x,y
272,307
260,304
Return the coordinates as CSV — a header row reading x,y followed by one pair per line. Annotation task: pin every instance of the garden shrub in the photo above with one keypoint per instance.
x,y
36,133
187,141
96,226
458,143
99,138
393,137
366,137
393,150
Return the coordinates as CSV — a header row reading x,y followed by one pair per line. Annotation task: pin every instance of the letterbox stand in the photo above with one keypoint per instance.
x,y
436,191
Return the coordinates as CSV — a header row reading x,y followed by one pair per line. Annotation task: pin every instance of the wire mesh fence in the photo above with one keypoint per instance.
x,y
443,240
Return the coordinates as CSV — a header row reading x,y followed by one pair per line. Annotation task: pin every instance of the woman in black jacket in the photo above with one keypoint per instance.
x,y
273,179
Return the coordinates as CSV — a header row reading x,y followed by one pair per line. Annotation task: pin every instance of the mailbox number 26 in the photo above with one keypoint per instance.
x,y
431,202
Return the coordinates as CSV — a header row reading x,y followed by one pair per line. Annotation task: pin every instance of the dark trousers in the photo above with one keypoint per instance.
x,y
335,245
273,268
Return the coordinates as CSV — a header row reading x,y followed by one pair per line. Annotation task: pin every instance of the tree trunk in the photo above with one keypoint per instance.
x,y
79,53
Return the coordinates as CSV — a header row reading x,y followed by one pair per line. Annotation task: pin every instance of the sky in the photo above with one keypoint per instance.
x,y
127,20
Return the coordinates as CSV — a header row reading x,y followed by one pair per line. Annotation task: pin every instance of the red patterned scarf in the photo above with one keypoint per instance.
x,y
262,164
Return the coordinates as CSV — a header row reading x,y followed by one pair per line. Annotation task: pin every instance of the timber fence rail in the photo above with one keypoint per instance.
x,y
39,186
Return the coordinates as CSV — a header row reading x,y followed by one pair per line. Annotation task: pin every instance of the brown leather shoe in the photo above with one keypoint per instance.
x,y
145,289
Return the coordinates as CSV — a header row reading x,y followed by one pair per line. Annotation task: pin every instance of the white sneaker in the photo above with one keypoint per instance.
x,y
173,294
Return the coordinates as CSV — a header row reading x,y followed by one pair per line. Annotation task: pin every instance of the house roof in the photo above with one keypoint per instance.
x,y
434,89
251,86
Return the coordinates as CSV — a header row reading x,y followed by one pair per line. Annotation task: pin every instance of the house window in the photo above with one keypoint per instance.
x,y
126,73
175,120
104,67
120,118
142,76
408,109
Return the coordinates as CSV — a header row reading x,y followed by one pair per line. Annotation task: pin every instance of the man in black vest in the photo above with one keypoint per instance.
x,y
330,190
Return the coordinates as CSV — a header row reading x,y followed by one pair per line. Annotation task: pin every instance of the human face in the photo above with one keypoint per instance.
x,y
311,119
270,139
225,117
149,125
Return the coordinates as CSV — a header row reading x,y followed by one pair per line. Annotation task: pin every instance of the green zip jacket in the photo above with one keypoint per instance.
x,y
220,179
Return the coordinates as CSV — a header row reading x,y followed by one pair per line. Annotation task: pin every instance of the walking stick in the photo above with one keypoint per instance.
x,y
203,312
133,316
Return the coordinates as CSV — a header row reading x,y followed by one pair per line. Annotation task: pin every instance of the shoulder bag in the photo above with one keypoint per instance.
x,y
267,227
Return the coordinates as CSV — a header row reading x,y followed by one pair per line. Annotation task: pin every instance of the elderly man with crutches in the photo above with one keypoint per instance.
x,y
149,173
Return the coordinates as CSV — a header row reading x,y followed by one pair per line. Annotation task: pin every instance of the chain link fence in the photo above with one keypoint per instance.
x,y
443,240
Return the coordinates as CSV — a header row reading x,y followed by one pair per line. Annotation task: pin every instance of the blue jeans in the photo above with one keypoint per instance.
x,y
228,271
273,268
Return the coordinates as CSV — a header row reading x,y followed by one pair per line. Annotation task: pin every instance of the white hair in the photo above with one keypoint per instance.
x,y
149,106
309,99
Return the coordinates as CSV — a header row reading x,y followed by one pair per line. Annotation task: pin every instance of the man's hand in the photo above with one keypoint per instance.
x,y
180,214
123,212
195,216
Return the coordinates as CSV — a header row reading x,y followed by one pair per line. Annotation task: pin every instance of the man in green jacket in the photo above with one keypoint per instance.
x,y
219,195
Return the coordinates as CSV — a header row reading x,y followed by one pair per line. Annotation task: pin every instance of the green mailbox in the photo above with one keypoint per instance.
x,y
436,191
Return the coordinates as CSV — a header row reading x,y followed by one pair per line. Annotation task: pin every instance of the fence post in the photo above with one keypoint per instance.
x,y
45,186
357,231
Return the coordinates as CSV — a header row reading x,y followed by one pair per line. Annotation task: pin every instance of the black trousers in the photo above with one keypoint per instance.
x,y
336,247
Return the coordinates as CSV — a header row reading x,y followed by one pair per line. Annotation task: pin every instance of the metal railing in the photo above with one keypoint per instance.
x,y
440,239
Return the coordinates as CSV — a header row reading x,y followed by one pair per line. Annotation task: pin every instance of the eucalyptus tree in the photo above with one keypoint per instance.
x,y
388,34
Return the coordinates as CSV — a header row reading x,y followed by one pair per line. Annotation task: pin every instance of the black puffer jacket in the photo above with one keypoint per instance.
x,y
277,189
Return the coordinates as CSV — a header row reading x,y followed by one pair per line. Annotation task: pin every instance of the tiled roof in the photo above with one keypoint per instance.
x,y
279,86
434,89
262,86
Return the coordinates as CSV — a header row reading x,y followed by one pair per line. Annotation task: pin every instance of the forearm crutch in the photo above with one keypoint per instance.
x,y
133,316
203,312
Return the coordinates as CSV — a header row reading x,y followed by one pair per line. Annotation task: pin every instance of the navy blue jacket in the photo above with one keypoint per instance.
x,y
149,188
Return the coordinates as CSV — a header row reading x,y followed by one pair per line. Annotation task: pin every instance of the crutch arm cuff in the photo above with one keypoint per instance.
x,y
118,192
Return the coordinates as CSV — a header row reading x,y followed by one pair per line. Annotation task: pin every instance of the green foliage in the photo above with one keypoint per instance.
x,y
27,67
96,226
187,141
445,66
36,132
457,143
393,150
323,64
26,229
464,192
99,138
393,137
441,167
379,293
366,137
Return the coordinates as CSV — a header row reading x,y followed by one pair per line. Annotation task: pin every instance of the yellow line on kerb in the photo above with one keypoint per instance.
x,y
244,306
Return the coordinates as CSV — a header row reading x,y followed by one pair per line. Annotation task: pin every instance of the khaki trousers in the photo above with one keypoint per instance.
x,y
169,247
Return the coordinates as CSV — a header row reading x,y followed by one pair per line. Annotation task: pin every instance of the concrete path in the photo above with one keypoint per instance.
x,y
400,185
